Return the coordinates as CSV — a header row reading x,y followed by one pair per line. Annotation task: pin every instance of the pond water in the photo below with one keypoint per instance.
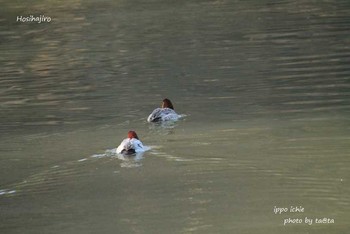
x,y
264,87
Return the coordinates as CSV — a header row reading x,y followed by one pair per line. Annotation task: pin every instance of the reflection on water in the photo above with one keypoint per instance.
x,y
264,87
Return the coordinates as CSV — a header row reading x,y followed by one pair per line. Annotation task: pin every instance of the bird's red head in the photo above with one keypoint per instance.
x,y
132,134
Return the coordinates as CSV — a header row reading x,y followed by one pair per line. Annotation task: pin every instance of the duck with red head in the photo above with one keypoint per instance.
x,y
165,113
131,145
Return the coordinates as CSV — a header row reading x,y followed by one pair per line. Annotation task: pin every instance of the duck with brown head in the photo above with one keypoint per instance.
x,y
165,113
131,144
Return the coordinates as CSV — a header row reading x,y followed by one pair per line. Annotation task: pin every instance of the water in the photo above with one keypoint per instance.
x,y
264,87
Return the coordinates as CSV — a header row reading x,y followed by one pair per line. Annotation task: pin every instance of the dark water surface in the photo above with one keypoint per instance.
x,y
264,85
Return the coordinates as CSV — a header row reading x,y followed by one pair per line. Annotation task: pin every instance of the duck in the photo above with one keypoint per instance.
x,y
165,113
131,145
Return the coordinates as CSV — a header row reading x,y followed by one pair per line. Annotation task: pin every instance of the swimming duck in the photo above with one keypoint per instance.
x,y
131,145
165,113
